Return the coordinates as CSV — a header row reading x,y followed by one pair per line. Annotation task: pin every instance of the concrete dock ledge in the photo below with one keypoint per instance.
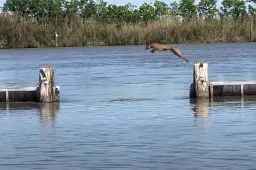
x,y
46,92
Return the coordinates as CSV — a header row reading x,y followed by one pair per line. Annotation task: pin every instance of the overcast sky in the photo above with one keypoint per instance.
x,y
134,2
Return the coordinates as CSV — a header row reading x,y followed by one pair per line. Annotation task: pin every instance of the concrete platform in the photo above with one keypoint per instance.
x,y
26,94
232,89
19,94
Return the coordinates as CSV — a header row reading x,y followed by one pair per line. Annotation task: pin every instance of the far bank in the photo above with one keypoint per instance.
x,y
18,33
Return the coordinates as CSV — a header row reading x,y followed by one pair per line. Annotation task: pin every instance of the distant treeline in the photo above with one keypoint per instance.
x,y
33,23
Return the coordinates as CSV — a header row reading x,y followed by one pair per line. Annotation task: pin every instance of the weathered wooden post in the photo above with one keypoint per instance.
x,y
47,91
200,85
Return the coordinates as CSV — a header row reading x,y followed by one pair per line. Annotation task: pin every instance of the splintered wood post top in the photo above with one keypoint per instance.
x,y
46,84
200,80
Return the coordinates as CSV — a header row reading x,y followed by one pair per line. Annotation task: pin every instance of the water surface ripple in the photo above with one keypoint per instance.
x,y
126,108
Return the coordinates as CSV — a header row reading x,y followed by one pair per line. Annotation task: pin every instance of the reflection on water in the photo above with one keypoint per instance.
x,y
48,114
227,99
19,106
235,102
201,107
47,111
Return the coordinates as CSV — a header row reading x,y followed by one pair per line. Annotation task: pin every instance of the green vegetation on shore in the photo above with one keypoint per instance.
x,y
26,23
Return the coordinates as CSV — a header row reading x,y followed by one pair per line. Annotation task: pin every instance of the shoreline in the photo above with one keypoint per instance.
x,y
29,34
93,46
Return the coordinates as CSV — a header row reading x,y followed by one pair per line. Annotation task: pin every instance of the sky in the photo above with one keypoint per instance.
x,y
134,2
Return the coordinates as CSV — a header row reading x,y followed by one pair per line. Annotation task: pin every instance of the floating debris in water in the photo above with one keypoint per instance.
x,y
130,99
